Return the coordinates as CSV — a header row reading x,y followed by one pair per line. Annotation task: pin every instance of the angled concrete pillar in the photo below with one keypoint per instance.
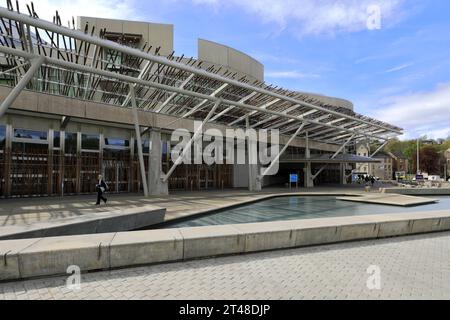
x,y
343,174
156,185
309,181
254,180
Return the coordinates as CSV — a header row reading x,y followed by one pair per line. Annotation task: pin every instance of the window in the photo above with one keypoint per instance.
x,y
2,137
56,139
145,146
90,142
70,143
30,134
114,142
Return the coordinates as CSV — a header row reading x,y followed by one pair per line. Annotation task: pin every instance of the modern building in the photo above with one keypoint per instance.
x,y
105,97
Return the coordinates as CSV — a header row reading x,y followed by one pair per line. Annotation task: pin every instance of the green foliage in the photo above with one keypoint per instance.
x,y
429,154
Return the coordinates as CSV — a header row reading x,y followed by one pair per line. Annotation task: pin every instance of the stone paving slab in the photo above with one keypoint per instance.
x,y
415,267
390,199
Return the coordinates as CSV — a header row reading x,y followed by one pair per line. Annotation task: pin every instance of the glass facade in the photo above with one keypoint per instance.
x,y
70,143
90,142
145,146
30,134
57,139
2,137
116,142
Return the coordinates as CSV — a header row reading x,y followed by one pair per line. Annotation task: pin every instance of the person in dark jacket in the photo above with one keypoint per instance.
x,y
101,187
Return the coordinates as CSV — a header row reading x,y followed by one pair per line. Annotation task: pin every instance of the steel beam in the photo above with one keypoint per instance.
x,y
141,75
277,158
302,116
12,96
263,107
379,149
174,94
332,157
163,60
201,104
273,117
243,100
108,74
138,139
189,144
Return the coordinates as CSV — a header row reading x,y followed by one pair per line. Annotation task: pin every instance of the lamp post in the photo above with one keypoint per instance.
x,y
418,160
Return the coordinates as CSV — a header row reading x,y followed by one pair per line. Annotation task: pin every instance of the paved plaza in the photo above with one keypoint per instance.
x,y
19,215
416,267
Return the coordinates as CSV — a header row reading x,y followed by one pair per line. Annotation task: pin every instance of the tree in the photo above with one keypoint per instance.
x,y
429,160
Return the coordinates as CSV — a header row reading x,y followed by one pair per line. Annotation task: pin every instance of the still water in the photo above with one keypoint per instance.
x,y
295,207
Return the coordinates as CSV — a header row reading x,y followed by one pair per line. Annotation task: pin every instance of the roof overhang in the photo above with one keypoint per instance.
x,y
82,66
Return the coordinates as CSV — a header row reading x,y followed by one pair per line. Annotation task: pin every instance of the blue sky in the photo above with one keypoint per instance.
x,y
399,73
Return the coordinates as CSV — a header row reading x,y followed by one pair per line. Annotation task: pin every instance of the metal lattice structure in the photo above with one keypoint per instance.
x,y
72,63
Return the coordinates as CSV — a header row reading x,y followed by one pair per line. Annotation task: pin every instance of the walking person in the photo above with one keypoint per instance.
x,y
101,187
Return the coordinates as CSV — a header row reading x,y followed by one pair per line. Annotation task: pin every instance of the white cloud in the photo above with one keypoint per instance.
x,y
420,113
315,16
399,68
289,75
115,9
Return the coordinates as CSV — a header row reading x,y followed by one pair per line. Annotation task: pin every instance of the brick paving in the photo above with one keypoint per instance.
x,y
416,267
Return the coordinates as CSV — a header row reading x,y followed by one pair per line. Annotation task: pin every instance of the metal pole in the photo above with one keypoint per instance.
x,y
12,96
138,138
283,150
379,149
332,157
189,144
418,158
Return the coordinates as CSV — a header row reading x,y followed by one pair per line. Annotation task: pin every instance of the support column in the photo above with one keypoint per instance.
x,y
62,157
138,140
309,182
78,179
8,159
343,174
50,163
12,96
254,181
156,185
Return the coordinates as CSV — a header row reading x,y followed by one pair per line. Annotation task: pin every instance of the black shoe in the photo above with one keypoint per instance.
x,y
105,200
97,204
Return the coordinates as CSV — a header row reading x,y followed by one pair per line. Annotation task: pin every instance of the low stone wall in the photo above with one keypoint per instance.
x,y
29,258
99,222
418,191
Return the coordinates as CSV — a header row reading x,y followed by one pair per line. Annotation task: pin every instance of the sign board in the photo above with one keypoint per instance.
x,y
293,178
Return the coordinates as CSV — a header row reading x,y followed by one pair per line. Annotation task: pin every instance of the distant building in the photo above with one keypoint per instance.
x,y
400,162
363,151
383,169
428,142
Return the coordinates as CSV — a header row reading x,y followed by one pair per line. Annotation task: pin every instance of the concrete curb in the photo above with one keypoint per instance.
x,y
29,258
418,191
108,221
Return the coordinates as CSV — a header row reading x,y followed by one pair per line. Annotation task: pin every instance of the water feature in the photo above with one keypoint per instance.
x,y
296,207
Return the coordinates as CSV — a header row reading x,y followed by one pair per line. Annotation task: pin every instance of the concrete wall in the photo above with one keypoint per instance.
x,y
155,34
42,106
219,54
338,102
